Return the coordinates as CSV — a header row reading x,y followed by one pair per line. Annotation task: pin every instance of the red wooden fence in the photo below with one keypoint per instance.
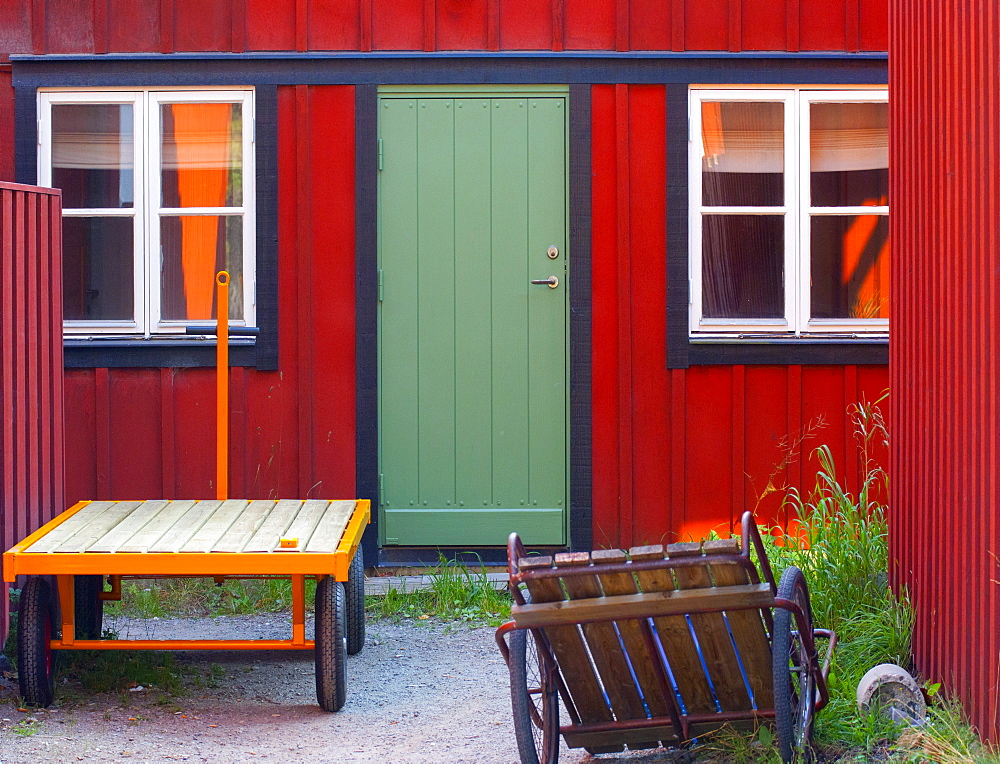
x,y
945,465
31,364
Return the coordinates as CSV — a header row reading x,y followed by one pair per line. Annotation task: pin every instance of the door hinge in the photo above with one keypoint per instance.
x,y
380,153
381,285
381,486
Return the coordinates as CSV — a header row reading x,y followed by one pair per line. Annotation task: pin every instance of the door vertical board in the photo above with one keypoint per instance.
x,y
510,292
473,273
398,327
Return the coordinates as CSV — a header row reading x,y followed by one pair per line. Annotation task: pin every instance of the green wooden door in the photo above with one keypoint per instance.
x,y
472,356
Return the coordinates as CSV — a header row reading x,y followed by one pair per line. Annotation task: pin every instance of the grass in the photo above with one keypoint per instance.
x,y
201,597
457,593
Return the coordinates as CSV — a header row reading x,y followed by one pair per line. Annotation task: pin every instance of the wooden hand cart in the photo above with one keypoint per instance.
x,y
659,646
221,538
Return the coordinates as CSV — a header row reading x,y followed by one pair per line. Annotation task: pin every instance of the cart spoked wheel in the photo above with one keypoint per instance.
x,y
89,607
535,700
355,591
794,683
35,659
331,644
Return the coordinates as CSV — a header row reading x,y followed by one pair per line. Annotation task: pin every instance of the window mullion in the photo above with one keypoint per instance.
x,y
793,270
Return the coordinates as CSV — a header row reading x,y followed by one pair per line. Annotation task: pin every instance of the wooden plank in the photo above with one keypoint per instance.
x,y
245,526
330,528
747,626
124,530
605,647
86,536
675,636
156,528
61,533
570,652
305,522
647,605
631,634
189,523
269,534
712,633
594,741
215,526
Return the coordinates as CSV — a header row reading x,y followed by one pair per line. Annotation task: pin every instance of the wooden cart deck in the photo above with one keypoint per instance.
x,y
195,538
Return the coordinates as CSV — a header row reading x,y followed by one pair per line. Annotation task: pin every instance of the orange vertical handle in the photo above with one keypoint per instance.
x,y
222,385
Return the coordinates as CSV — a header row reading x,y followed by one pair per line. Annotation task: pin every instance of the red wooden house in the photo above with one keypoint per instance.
x,y
699,187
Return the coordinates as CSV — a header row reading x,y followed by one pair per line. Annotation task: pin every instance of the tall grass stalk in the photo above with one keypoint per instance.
x,y
840,541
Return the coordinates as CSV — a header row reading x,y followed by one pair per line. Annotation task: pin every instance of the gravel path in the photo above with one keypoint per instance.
x,y
418,692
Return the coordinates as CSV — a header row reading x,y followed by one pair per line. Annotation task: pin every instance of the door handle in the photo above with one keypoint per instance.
x,y
551,282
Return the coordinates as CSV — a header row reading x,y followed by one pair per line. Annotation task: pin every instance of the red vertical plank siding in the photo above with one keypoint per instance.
x,y
646,251
649,25
31,360
461,24
134,26
708,451
823,25
706,25
589,24
626,443
15,29
334,24
69,26
331,332
201,26
526,24
397,24
604,302
873,22
764,25
270,25
136,433
944,460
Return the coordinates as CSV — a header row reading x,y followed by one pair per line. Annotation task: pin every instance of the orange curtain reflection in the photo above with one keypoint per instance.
x,y
872,296
201,136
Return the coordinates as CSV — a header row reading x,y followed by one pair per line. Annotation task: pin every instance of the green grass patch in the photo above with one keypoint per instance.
x,y
159,598
457,593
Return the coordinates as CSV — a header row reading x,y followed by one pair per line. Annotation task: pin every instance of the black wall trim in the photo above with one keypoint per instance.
x,y
678,297
580,425
146,70
807,353
366,306
263,352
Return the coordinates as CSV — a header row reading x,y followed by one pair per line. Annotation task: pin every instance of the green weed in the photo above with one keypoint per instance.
x,y
947,739
456,593
159,598
26,727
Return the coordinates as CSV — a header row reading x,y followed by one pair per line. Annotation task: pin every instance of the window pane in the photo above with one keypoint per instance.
x,y
850,266
743,154
849,154
202,154
93,154
743,266
98,266
194,248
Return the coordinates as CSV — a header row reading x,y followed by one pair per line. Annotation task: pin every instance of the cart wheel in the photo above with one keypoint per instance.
x,y
331,644
535,701
35,659
89,607
355,591
794,683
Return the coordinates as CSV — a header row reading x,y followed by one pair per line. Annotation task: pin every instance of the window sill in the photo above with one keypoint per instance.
x,y
786,351
124,351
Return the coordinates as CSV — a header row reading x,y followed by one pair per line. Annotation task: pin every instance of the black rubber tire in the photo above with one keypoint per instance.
x,y
794,683
534,701
331,644
36,663
88,617
355,591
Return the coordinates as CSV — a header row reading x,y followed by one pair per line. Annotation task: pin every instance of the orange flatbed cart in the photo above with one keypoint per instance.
x,y
216,538
219,539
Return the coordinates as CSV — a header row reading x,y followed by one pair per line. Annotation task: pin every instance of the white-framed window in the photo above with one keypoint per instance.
x,y
158,196
789,195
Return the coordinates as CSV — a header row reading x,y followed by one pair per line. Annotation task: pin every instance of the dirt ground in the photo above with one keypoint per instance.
x,y
418,692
